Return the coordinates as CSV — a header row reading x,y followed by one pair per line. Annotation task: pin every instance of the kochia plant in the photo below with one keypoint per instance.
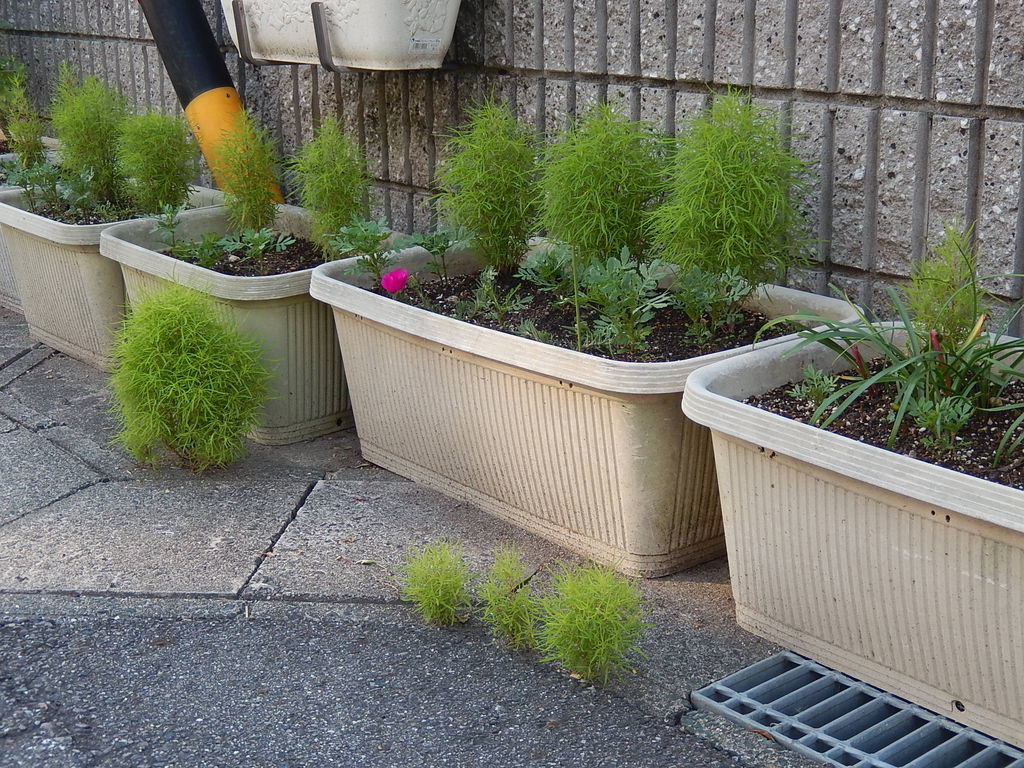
x,y
87,119
186,380
436,580
508,607
332,180
598,180
591,621
488,183
246,167
731,199
157,157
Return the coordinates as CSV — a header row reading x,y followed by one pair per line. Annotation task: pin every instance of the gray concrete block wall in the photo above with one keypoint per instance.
x,y
913,110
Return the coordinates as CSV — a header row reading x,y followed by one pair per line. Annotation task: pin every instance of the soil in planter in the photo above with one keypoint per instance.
x,y
301,254
867,420
667,341
100,216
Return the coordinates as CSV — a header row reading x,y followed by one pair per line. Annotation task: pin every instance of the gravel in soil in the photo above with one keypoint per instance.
x,y
868,420
667,341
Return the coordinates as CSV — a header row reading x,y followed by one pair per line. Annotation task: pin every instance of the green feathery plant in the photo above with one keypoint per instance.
x,y
592,622
12,90
599,178
24,126
157,156
732,195
943,294
246,166
87,118
332,179
185,379
488,184
938,381
436,579
508,608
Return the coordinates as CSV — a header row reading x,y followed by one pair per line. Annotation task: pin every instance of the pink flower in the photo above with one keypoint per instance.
x,y
394,281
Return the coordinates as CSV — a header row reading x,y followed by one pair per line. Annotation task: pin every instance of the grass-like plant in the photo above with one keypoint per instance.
x,y
157,157
23,126
488,183
592,622
508,607
435,579
942,294
938,378
185,380
246,166
732,195
332,180
598,181
87,117
12,89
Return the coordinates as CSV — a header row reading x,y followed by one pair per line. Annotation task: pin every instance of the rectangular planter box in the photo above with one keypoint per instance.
x,y
296,332
590,453
901,573
72,297
8,284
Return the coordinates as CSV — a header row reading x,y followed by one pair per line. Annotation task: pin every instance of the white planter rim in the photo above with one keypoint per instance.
x,y
332,285
132,243
714,396
14,214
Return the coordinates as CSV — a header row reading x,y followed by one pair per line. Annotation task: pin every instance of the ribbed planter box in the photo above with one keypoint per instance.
x,y
72,297
299,344
590,453
8,285
901,573
366,34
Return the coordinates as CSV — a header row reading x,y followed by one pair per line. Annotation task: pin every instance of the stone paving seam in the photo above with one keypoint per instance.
x,y
90,453
22,364
18,355
62,497
23,415
267,552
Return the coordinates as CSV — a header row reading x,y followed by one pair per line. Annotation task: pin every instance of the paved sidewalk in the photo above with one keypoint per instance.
x,y
248,617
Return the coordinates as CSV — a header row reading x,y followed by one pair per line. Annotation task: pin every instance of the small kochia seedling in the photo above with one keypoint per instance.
x,y
591,622
436,580
508,607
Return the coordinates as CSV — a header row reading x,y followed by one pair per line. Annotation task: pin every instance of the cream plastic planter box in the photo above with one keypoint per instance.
x,y
8,285
590,453
297,334
72,297
901,573
364,34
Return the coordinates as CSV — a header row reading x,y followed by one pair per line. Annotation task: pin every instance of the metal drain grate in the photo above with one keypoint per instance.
x,y
837,720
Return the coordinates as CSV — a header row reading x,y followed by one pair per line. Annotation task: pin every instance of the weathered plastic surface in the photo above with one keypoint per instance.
x,y
903,574
8,285
366,34
299,343
73,298
593,454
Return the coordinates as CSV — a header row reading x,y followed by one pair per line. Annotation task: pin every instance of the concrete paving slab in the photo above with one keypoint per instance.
x,y
13,334
18,365
74,395
350,536
199,538
35,472
6,425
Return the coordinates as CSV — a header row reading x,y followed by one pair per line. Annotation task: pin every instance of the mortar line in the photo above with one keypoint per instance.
x,y
870,242
707,61
919,202
277,536
1018,247
749,43
826,202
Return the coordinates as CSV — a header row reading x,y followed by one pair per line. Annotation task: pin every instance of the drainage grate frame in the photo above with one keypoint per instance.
x,y
838,720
